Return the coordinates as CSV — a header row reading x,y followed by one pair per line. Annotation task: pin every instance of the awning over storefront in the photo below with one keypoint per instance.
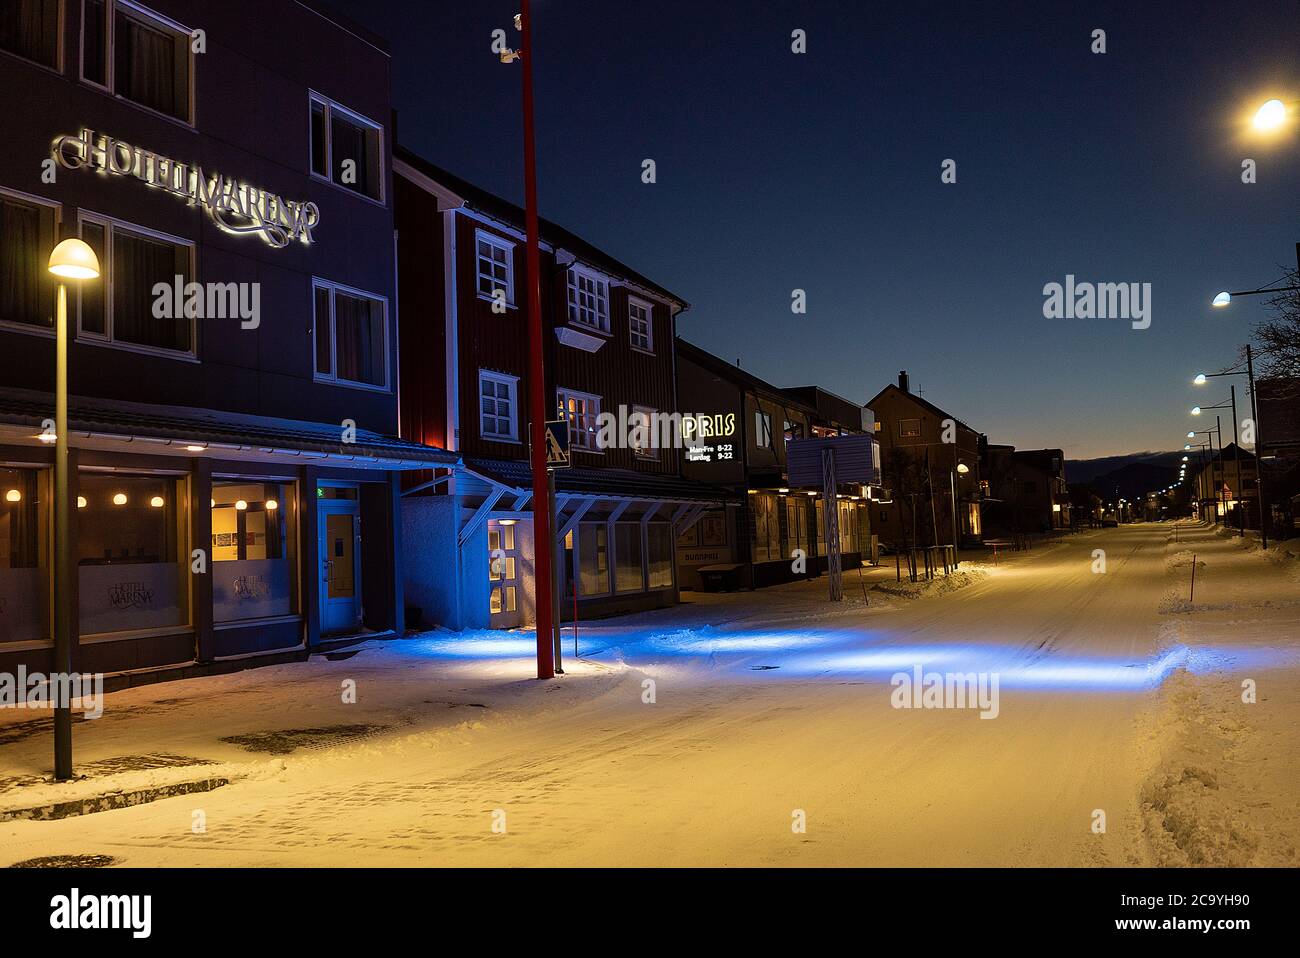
x,y
162,430
507,487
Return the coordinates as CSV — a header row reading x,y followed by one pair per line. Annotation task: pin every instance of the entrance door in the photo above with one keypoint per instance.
x,y
503,574
340,541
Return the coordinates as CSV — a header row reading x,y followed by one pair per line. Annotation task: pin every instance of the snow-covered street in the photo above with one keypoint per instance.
x,y
770,710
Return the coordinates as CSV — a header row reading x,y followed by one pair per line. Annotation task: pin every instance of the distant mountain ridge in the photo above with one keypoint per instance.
x,y
1130,476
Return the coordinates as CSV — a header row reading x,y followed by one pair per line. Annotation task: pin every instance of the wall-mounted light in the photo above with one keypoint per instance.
x,y
13,495
81,502
119,499
506,522
241,505
157,502
47,437
272,505
195,448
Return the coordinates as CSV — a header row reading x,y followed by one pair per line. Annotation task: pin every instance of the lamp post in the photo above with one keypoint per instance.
x,y
1249,372
71,260
959,469
544,557
1218,429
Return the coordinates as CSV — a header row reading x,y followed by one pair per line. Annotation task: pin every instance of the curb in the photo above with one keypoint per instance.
x,y
112,800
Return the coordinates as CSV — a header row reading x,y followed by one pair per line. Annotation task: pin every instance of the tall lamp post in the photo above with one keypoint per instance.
x,y
959,469
1249,372
1209,441
1236,448
538,411
71,260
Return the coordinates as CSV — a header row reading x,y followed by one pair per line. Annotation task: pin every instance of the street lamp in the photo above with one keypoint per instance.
x,y
1249,372
71,260
1270,116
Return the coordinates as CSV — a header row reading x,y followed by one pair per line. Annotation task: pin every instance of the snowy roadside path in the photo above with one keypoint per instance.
x,y
586,773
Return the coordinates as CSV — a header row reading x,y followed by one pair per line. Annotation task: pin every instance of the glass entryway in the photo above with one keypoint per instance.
x,y
503,573
339,530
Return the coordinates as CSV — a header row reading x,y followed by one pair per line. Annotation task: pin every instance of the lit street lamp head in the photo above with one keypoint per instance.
x,y
1199,380
73,259
1221,300
1270,116
1190,434
1196,410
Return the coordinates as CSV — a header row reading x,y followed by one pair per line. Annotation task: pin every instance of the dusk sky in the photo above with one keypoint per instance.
x,y
821,172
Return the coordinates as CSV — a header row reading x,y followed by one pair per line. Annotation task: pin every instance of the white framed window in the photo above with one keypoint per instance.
x,y
119,307
30,29
350,331
496,266
762,430
138,55
582,411
588,299
29,229
645,418
640,315
347,149
498,404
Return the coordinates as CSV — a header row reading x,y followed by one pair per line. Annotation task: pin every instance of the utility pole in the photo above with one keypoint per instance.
x,y
1255,446
543,589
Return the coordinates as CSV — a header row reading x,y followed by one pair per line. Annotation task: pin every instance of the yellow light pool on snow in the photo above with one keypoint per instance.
x,y
157,502
13,495
73,259
119,499
1270,116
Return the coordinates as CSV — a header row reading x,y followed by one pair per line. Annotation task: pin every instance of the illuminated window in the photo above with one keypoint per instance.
x,y
593,559
346,148
495,266
351,330
582,410
24,555
132,553
497,405
27,234
30,29
909,428
588,299
765,537
140,55
641,434
641,330
253,540
119,307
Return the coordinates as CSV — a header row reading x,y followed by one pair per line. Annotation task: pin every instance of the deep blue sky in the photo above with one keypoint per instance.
x,y
821,172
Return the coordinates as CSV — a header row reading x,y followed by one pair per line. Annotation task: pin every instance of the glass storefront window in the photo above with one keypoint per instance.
x,y
24,555
254,539
659,552
628,576
593,559
132,552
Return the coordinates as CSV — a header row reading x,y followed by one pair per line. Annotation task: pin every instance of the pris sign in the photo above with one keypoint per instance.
x,y
234,206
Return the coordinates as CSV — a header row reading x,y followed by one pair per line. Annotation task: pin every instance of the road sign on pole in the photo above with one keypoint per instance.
x,y
557,444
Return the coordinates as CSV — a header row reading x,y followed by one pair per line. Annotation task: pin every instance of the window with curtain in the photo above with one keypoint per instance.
x,y
27,234
150,57
139,263
351,336
119,306
346,148
24,554
30,29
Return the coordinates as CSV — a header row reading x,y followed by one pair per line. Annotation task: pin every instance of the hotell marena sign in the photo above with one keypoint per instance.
x,y
233,206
